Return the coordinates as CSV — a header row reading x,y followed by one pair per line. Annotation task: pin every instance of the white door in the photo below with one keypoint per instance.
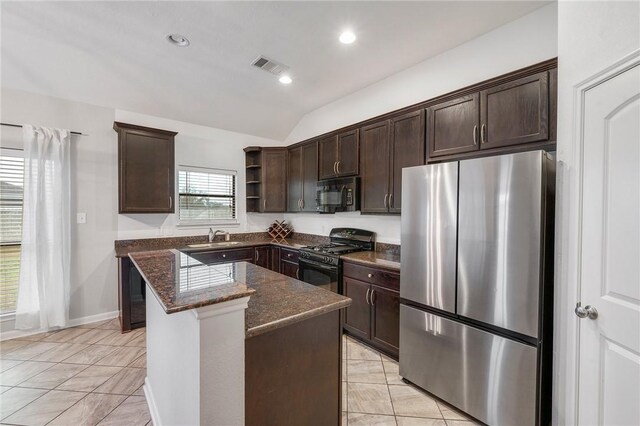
x,y
609,356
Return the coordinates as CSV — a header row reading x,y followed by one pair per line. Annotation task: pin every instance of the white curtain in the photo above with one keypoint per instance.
x,y
43,292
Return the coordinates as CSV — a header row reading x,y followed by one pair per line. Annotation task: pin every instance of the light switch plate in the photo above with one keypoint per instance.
x,y
81,218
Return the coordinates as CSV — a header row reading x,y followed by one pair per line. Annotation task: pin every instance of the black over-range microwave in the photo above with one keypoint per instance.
x,y
338,195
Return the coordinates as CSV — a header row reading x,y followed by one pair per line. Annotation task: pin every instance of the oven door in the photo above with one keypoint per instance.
x,y
319,274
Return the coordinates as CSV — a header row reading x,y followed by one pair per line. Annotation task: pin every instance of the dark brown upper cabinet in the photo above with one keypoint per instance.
x,y
146,182
339,155
515,113
407,150
387,147
266,179
302,177
453,126
274,180
294,179
375,164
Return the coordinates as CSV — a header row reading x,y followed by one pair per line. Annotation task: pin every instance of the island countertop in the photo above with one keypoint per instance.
x,y
180,282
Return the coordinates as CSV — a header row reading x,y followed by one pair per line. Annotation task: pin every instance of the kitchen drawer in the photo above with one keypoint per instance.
x,y
219,256
289,255
375,276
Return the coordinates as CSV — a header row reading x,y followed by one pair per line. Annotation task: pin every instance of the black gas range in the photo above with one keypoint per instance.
x,y
321,266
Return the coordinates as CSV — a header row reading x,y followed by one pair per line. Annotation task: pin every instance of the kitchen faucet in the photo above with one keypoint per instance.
x,y
212,235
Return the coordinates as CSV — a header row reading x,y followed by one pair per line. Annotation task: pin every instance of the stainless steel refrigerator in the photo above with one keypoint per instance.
x,y
477,284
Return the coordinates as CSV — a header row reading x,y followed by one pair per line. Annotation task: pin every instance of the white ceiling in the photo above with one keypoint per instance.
x,y
115,53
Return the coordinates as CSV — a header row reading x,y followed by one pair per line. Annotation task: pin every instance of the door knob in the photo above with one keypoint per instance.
x,y
586,312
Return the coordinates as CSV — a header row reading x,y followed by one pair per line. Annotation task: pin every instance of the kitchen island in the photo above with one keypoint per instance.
x,y
234,343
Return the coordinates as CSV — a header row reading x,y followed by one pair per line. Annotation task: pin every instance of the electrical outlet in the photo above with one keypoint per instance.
x,y
81,218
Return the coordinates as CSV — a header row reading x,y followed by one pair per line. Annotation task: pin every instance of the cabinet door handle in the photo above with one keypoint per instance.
x,y
264,204
301,204
298,273
257,256
338,167
373,299
483,133
335,167
366,297
386,196
170,202
475,134
390,201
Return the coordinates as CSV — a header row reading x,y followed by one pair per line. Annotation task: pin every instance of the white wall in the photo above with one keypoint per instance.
x,y
523,42
95,182
94,191
591,37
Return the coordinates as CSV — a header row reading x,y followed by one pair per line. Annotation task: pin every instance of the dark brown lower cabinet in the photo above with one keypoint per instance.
x,y
289,262
295,387
385,318
289,269
275,259
262,256
219,256
374,314
131,296
357,318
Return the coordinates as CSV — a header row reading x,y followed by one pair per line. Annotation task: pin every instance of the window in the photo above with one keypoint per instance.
x,y
11,191
206,196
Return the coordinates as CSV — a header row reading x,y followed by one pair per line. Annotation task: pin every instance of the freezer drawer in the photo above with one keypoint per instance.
x,y
429,215
485,375
499,240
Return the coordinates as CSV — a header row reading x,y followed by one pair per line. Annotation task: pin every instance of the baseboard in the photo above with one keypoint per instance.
x,y
151,402
93,318
14,334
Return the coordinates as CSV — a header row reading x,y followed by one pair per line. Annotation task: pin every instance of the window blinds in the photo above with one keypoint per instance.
x,y
11,193
206,195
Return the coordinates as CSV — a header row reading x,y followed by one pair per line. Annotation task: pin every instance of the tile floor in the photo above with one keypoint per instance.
x,y
374,394
85,375
93,375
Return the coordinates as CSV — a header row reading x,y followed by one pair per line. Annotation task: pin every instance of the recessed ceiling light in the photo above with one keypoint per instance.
x,y
178,40
347,37
285,79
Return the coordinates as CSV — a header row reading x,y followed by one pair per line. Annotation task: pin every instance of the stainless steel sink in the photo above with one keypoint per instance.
x,y
213,245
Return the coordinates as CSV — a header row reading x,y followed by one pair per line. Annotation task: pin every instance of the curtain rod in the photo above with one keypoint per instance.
x,y
20,125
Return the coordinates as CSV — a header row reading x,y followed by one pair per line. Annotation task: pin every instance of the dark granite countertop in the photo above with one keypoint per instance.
x,y
386,260
180,282
124,247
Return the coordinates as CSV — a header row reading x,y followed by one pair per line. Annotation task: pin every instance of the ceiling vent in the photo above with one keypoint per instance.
x,y
268,65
